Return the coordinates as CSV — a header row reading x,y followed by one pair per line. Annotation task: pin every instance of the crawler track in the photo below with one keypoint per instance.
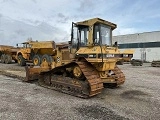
x,y
91,86
119,76
94,80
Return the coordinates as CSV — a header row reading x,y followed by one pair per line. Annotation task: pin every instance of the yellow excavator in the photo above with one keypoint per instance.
x,y
84,65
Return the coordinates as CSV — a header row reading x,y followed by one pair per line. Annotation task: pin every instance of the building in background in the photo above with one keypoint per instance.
x,y
146,45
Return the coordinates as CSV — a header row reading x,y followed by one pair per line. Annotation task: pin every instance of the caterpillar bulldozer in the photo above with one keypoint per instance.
x,y
8,53
84,65
34,52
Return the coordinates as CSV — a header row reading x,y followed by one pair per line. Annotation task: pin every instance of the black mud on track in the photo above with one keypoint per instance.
x,y
98,112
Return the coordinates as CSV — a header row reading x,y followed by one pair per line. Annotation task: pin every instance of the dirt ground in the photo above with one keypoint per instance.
x,y
137,99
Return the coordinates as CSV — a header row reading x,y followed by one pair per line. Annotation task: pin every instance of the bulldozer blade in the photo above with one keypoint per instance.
x,y
32,73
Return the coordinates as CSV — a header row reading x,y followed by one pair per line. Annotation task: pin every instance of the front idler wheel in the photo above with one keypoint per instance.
x,y
77,73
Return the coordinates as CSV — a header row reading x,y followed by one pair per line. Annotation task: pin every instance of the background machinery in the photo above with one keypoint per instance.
x,y
8,53
35,51
126,56
83,66
155,63
136,62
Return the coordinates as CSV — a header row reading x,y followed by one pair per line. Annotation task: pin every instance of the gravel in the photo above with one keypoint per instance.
x,y
137,99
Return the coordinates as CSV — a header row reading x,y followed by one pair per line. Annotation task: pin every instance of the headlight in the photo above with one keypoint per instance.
x,y
125,55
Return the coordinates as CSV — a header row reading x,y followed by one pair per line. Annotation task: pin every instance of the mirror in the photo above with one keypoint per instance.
x,y
115,44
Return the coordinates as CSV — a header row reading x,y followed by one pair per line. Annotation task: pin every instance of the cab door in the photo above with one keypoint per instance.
x,y
74,39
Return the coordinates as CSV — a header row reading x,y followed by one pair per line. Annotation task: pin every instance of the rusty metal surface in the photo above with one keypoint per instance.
x,y
32,73
119,76
94,80
91,86
115,79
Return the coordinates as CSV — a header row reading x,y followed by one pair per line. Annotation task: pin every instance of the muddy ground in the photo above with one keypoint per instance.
x,y
137,99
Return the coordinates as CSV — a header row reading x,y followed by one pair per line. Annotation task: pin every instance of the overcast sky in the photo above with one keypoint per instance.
x,y
51,19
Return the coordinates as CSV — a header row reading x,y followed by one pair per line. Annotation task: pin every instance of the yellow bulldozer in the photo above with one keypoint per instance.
x,y
83,66
126,56
34,52
8,53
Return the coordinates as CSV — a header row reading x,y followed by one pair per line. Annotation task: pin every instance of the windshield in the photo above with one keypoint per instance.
x,y
26,45
83,36
102,34
79,36
74,36
105,35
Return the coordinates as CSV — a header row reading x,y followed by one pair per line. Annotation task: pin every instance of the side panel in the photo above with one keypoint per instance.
x,y
65,55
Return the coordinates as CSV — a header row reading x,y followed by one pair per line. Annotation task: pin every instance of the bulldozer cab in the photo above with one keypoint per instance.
x,y
91,33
